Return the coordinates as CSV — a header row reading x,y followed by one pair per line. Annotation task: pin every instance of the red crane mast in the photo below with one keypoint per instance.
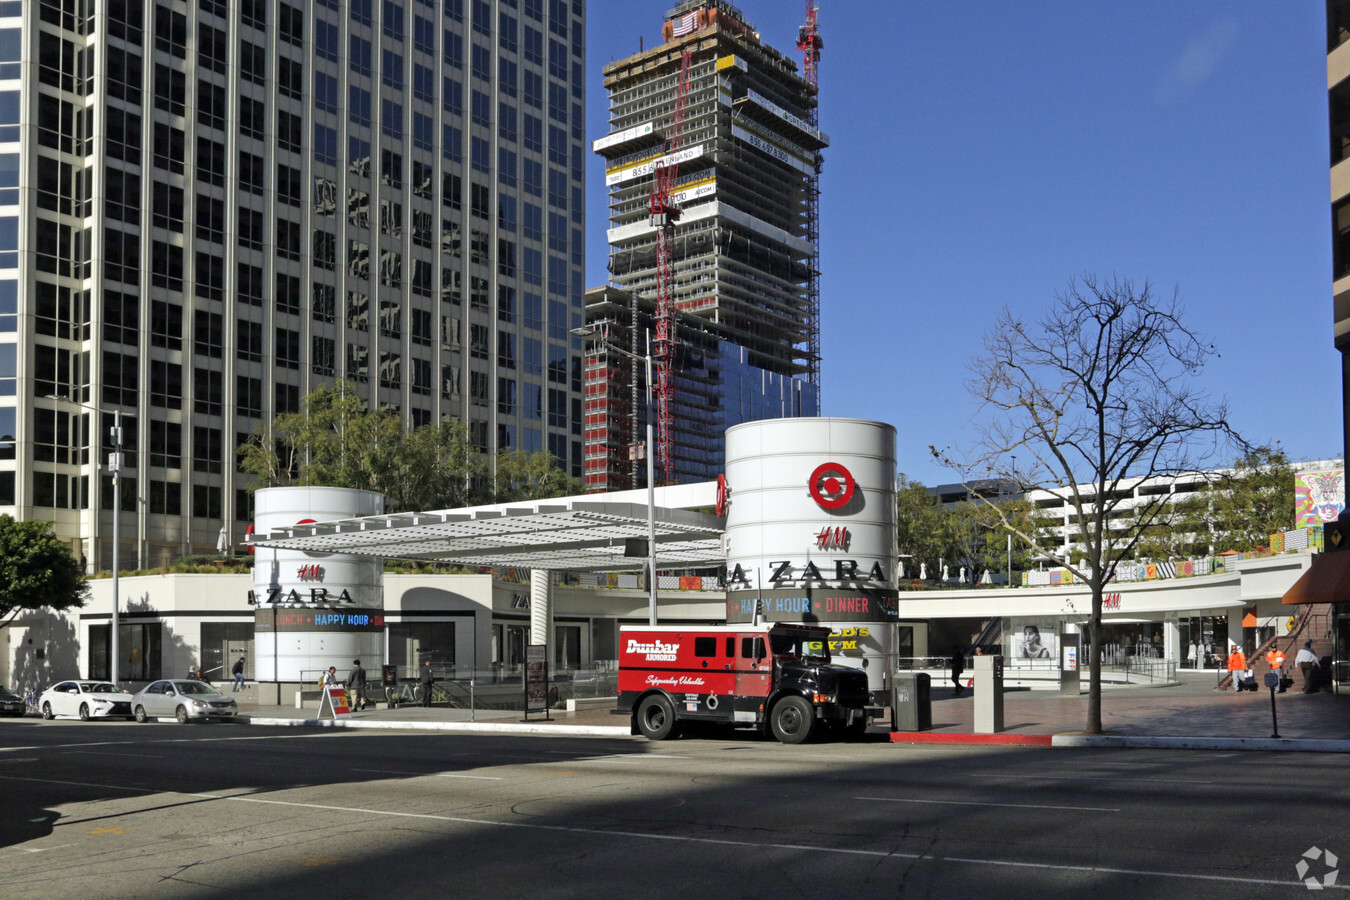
x,y
664,214
810,43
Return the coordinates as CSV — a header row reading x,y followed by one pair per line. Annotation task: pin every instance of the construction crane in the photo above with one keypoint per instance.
x,y
810,43
664,214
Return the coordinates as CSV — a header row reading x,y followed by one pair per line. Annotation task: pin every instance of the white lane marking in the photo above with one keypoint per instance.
x,y
745,845
114,753
221,740
614,755
431,774
979,803
1144,777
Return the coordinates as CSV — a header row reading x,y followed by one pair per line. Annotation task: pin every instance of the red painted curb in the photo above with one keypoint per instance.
x,y
929,737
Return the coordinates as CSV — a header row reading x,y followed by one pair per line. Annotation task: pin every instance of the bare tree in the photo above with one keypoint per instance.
x,y
1097,395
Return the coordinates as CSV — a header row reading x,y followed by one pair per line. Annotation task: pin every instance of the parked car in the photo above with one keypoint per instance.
x,y
11,704
86,699
184,699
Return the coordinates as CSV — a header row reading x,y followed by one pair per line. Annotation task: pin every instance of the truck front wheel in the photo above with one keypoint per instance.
x,y
656,718
792,720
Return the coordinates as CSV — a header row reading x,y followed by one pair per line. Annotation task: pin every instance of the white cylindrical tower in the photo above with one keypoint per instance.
x,y
810,531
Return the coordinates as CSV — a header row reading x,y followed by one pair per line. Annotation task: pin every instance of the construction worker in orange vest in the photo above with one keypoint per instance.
x,y
1237,666
1276,661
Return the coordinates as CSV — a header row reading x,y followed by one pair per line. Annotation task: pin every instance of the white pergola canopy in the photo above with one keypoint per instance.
x,y
586,533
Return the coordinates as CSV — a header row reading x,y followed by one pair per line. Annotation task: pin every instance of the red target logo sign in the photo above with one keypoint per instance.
x,y
831,485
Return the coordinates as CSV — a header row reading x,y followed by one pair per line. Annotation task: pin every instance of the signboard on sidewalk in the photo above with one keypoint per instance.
x,y
334,700
536,679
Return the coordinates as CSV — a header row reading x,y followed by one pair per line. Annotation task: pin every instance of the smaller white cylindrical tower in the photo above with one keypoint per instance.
x,y
315,610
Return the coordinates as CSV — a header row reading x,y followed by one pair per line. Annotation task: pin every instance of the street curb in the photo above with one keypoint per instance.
x,y
1198,743
463,727
1006,740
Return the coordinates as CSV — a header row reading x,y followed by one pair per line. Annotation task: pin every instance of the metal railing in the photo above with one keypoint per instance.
x,y
500,688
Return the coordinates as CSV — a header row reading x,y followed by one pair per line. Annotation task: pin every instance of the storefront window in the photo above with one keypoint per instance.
x,y
138,646
411,644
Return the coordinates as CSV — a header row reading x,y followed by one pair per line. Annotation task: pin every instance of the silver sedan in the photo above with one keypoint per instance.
x,y
185,700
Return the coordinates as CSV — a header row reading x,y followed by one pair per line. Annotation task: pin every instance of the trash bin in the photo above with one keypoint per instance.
x,y
912,702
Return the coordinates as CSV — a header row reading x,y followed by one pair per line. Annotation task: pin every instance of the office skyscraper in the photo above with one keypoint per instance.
x,y
741,258
210,207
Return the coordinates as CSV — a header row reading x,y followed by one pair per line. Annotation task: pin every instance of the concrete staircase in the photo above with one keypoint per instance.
x,y
1314,624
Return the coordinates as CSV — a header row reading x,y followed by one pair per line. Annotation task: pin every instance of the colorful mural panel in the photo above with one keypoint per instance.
x,y
1319,496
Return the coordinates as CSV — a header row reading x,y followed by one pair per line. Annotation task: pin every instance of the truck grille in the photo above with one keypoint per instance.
x,y
852,688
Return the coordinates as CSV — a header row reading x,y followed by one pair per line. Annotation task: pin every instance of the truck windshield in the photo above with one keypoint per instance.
x,y
801,644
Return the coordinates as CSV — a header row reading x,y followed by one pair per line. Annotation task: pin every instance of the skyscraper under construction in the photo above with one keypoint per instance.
x,y
715,272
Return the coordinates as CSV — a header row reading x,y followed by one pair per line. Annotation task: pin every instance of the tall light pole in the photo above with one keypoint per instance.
x,y
115,469
591,332
1014,475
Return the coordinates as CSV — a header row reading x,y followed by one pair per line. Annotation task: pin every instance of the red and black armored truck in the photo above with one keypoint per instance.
x,y
776,678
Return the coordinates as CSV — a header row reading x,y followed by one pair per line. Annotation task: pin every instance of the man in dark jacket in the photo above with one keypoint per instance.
x,y
958,665
356,683
238,673
428,680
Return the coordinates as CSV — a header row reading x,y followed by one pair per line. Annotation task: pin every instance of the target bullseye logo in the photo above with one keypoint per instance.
x,y
831,485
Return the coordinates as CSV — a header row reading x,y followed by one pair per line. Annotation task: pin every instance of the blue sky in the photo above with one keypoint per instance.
x,y
985,153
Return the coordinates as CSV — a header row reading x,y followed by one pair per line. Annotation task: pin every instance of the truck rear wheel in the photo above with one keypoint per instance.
x,y
792,720
656,718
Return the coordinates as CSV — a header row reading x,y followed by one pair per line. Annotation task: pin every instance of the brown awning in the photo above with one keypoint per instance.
x,y
1326,581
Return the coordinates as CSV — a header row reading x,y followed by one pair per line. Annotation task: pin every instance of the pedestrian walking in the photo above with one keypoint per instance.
x,y
958,665
238,673
428,679
1306,661
356,683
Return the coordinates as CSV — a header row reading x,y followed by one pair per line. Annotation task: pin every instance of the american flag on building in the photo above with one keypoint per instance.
x,y
685,24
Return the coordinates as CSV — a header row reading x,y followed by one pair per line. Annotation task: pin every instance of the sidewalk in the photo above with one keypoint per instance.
x,y
1188,715
1191,714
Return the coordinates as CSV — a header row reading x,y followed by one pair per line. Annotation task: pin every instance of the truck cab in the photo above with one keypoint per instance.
x,y
777,678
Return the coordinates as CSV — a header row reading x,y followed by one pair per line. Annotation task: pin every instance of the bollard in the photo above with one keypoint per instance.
x,y
988,694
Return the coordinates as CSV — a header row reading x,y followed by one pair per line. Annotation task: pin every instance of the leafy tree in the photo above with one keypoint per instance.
x,y
36,570
532,476
1235,510
919,528
976,537
1096,394
967,533
336,440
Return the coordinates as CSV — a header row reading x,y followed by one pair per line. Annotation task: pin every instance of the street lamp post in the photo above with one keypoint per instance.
x,y
1014,474
115,469
647,451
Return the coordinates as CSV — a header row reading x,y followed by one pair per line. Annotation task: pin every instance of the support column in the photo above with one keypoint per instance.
x,y
1234,630
1172,639
541,613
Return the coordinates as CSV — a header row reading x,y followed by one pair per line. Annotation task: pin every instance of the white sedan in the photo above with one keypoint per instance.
x,y
86,699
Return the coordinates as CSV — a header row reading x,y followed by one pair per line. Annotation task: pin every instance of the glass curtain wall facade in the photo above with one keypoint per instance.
x,y
208,208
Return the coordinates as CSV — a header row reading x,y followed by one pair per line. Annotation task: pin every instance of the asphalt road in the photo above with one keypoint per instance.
x,y
112,810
